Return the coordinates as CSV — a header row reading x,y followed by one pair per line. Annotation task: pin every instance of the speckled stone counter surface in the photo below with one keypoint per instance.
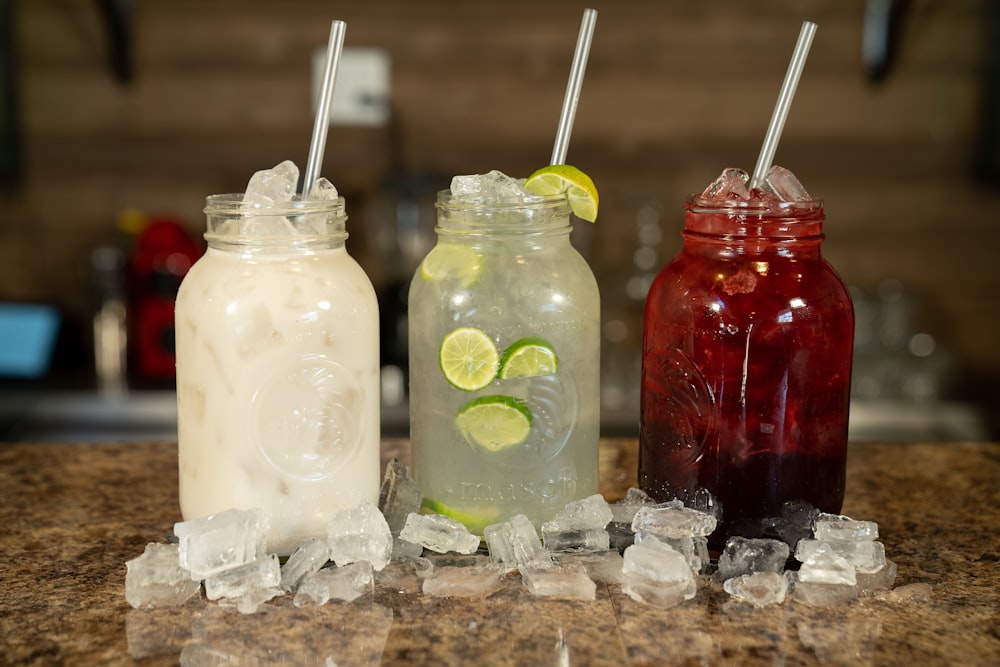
x,y
71,515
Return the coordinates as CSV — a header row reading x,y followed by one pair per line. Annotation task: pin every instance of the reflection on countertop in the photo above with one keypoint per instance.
x,y
85,416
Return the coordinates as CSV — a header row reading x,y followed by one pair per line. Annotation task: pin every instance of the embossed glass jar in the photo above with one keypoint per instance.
x,y
277,369
746,373
505,267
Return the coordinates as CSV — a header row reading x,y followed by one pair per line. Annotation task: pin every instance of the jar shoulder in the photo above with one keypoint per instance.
x,y
786,275
750,289
333,278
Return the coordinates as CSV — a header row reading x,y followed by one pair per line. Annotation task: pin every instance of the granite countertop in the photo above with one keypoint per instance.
x,y
71,515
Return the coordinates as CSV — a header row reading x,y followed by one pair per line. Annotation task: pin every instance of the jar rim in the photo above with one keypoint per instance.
x,y
698,203
233,204
447,201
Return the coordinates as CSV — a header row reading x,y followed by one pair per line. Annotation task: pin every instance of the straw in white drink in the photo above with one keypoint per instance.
x,y
322,120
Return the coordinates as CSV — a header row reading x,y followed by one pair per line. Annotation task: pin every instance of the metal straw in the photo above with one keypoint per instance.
x,y
322,120
573,87
773,135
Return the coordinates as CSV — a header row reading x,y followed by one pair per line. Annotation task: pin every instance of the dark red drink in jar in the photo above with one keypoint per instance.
x,y
746,369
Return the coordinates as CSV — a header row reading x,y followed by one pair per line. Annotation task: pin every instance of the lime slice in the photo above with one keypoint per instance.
x,y
495,422
450,261
474,519
528,358
469,359
563,178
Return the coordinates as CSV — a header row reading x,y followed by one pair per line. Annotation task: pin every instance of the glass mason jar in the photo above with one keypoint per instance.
x,y
746,373
277,369
521,306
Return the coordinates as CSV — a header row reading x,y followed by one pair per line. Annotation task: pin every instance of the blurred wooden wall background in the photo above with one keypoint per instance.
x,y
675,91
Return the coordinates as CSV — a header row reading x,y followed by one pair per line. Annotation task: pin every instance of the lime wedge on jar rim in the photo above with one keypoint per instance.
x,y
468,358
474,519
563,178
495,422
450,261
527,358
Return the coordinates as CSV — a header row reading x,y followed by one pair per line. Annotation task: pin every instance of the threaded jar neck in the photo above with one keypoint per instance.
x,y
531,215
231,222
758,219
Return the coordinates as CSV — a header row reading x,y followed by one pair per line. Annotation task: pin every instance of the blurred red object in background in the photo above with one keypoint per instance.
x,y
162,255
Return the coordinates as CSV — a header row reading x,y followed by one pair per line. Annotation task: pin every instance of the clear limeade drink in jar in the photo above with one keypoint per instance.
x,y
747,348
504,358
277,367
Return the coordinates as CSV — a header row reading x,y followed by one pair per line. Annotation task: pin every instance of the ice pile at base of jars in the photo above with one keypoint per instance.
x,y
657,553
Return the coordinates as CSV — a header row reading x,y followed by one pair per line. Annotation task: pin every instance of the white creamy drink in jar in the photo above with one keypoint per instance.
x,y
277,366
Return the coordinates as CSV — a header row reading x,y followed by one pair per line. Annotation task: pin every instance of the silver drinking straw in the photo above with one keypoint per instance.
x,y
773,135
322,121
573,87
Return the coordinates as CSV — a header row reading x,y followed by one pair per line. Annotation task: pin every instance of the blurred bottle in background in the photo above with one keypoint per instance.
x,y
403,217
897,357
623,299
107,267
161,255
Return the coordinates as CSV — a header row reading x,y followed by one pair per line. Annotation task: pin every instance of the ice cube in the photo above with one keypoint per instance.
x,y
784,185
673,520
265,572
318,223
569,581
759,589
583,539
842,528
346,583
156,579
439,533
323,190
870,583
311,555
694,549
399,496
404,575
620,535
492,185
795,523
579,526
604,567
819,594
824,566
514,543
221,541
452,559
359,533
590,512
743,555
463,581
624,510
278,184
403,550
864,556
251,601
423,567
655,573
703,501
731,184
